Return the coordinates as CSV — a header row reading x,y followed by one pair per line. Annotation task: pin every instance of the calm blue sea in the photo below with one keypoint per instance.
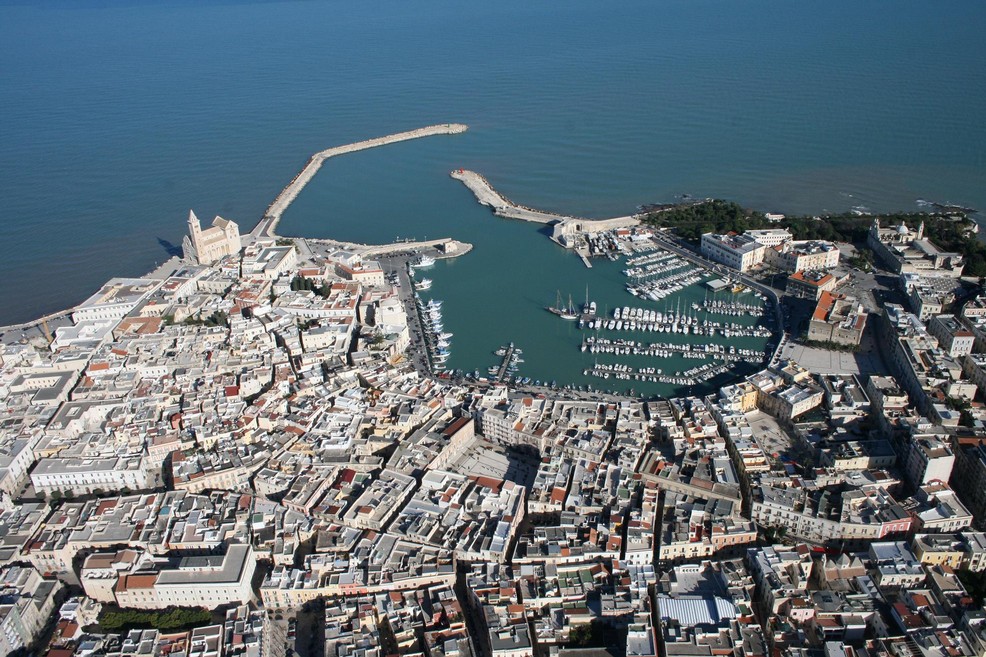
x,y
117,117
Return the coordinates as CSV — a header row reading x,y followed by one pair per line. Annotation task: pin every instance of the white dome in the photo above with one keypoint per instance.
x,y
902,230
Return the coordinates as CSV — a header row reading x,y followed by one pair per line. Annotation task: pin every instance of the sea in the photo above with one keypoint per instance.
x,y
117,117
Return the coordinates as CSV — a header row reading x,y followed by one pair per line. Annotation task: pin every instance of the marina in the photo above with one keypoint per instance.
x,y
598,342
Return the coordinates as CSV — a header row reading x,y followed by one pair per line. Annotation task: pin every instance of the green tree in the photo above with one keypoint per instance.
x,y
171,618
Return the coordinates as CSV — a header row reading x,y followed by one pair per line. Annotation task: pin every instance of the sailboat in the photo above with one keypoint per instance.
x,y
565,312
570,313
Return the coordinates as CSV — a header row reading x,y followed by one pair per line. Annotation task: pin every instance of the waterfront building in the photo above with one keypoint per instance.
x,y
740,252
367,272
267,260
770,237
907,251
802,255
114,300
212,244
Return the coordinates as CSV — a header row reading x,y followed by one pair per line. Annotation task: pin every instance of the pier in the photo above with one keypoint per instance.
x,y
507,358
504,207
273,214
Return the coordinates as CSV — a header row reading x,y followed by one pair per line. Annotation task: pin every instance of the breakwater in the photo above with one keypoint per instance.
x,y
504,207
267,225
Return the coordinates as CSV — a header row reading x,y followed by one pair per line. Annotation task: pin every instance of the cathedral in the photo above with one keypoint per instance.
x,y
207,246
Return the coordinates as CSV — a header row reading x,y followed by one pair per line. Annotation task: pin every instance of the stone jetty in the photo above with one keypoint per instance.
x,y
504,207
269,222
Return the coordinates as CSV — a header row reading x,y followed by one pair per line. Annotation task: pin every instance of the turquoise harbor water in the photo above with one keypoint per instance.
x,y
119,116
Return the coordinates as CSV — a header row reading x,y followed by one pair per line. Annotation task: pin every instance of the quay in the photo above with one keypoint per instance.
x,y
445,247
267,225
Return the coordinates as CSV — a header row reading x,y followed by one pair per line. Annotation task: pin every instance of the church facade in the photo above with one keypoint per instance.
x,y
207,246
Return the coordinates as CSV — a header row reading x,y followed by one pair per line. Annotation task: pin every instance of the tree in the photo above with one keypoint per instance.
x,y
580,635
713,216
171,618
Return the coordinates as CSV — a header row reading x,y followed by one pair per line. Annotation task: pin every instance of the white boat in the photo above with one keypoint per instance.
x,y
425,261
423,284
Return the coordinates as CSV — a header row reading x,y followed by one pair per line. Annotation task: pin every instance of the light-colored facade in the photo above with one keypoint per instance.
x,y
803,255
26,602
907,251
81,476
837,319
810,284
952,335
770,237
212,244
929,459
205,581
739,252
114,300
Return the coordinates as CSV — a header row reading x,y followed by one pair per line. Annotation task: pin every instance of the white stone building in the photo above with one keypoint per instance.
x,y
740,252
212,244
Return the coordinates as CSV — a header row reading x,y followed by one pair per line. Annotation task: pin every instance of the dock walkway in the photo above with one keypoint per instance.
x,y
502,372
267,225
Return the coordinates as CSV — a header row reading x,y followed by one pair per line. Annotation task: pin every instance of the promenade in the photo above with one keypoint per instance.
x,y
272,216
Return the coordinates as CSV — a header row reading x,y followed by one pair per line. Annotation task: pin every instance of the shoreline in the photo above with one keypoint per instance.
x,y
272,215
568,230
